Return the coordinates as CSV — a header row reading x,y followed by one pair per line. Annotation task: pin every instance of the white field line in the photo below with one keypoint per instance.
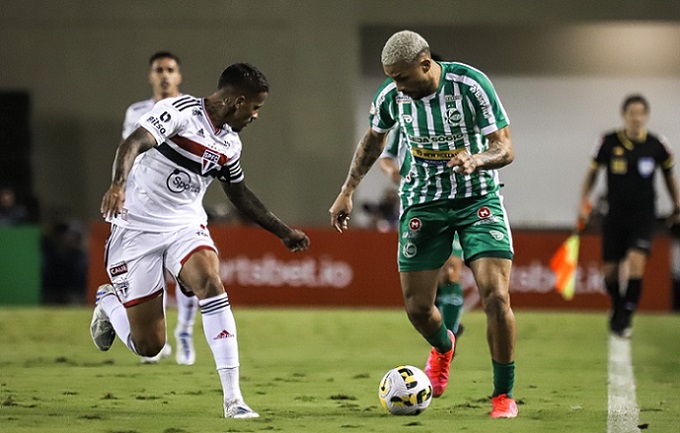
x,y
623,413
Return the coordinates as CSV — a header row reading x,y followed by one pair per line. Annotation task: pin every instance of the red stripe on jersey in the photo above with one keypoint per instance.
x,y
196,148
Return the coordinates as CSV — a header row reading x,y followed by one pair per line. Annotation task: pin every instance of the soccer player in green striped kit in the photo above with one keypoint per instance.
x,y
458,135
395,162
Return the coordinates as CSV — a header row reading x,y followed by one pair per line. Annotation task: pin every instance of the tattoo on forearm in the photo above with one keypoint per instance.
x,y
248,203
496,156
364,158
138,142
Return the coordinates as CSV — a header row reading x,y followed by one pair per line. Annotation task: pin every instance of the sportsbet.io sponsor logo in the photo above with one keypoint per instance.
x,y
180,181
269,271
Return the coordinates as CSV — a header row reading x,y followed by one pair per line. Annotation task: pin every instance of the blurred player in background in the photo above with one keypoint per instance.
x,y
160,175
395,162
458,135
165,78
630,156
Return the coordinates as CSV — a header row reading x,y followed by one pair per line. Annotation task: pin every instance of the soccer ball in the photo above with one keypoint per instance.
x,y
405,390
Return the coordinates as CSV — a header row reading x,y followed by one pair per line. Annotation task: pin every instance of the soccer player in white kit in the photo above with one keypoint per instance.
x,y
160,175
165,78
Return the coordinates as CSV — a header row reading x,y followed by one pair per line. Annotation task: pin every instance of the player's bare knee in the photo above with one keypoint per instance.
x,y
148,347
419,313
495,304
208,287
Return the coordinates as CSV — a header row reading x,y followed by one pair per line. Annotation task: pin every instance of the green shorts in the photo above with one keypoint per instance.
x,y
427,231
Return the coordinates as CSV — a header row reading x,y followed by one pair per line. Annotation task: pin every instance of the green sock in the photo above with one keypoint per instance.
x,y
450,304
503,378
440,340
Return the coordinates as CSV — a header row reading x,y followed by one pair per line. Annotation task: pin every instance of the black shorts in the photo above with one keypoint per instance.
x,y
621,233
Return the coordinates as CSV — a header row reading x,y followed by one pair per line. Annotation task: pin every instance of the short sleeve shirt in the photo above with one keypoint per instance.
x,y
631,167
166,185
464,109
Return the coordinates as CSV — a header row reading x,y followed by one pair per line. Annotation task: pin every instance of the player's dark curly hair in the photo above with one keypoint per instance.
x,y
163,55
244,77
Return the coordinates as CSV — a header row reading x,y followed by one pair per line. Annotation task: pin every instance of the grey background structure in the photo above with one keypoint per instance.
x,y
561,68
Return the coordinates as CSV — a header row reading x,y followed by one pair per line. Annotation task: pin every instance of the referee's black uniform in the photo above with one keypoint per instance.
x,y
631,196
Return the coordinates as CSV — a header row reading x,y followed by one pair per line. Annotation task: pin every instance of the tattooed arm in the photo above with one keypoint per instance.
x,y
365,155
499,154
251,206
138,142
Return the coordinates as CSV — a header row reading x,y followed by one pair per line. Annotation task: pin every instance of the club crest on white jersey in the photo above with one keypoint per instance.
x,y
167,183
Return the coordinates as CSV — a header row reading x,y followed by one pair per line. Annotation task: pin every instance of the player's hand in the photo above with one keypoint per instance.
x,y
112,202
340,212
584,216
463,163
673,220
296,241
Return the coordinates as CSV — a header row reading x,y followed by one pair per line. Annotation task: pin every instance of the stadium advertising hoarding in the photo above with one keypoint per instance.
x,y
358,269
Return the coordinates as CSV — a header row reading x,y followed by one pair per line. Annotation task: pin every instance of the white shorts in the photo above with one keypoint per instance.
x,y
136,260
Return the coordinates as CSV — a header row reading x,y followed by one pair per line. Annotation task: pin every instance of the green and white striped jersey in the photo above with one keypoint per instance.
x,y
457,116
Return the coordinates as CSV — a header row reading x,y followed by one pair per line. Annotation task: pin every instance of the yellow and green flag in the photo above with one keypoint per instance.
x,y
563,264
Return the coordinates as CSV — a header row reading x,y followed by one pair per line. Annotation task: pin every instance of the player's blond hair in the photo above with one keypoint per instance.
x,y
404,46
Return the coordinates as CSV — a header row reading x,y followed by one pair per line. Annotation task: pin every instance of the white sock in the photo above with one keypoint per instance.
x,y
117,315
219,328
186,311
230,383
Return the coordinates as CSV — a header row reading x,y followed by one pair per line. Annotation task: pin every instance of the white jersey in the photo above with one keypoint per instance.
x,y
166,185
133,113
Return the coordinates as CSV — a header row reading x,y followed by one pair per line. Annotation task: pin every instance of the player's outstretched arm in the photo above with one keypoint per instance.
x,y
251,206
585,205
367,152
139,141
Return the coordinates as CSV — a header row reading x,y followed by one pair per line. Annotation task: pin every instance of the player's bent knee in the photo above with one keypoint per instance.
x,y
148,347
419,313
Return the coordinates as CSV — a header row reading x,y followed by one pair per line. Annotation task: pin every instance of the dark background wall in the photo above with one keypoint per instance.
x,y
83,62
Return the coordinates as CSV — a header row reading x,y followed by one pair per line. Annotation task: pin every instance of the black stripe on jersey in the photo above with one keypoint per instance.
x,y
182,161
182,100
215,306
184,104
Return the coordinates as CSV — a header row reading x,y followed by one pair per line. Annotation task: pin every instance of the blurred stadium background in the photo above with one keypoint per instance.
x,y
68,71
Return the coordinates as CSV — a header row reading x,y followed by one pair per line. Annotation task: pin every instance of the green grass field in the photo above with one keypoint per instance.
x,y
318,371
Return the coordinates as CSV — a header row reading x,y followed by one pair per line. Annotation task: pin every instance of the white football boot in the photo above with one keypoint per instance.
x,y
103,334
238,409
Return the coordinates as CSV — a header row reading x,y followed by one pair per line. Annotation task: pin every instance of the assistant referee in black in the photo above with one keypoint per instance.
x,y
631,157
